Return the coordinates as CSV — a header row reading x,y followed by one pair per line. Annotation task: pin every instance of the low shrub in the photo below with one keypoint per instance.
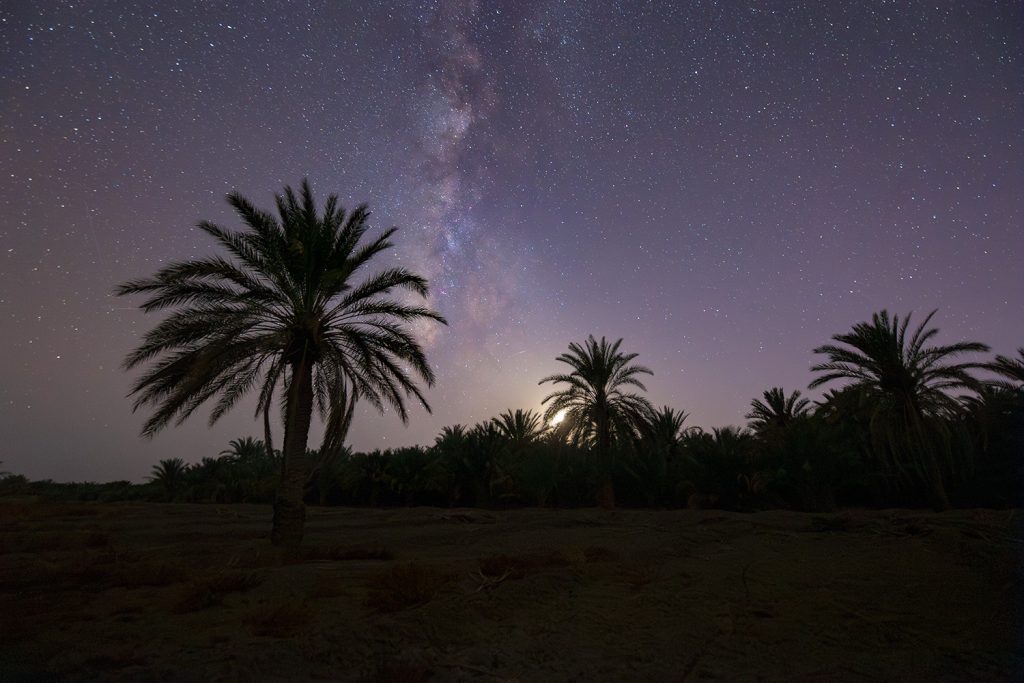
x,y
404,586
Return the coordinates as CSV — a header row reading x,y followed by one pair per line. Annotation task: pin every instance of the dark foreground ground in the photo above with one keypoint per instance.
x,y
193,592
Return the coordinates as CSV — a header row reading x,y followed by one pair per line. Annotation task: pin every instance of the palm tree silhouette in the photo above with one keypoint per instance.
x,y
666,425
520,427
243,449
595,403
170,475
777,410
658,453
294,307
907,384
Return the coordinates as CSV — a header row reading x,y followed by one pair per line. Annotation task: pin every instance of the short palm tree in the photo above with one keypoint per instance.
x,y
908,384
521,426
1009,367
292,307
666,425
657,454
169,474
595,401
243,449
776,410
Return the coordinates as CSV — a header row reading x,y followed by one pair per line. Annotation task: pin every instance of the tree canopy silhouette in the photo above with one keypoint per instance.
x,y
292,307
597,407
776,410
1009,367
520,426
907,383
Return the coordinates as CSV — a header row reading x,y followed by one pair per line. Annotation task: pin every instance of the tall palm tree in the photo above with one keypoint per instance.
x,y
908,383
1009,367
777,410
292,306
594,399
521,426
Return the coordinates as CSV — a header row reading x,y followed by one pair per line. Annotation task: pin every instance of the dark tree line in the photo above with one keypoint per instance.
x,y
857,446
290,310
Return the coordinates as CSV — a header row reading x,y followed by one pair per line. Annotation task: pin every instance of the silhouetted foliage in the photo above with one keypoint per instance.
x,y
777,410
593,401
287,310
890,436
170,476
1010,368
908,385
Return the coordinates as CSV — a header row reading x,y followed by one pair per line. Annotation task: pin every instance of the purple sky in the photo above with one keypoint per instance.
x,y
724,184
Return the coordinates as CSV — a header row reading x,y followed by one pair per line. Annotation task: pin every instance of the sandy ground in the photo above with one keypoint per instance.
x,y
195,592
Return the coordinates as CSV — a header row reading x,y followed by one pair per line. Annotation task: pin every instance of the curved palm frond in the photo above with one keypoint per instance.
x,y
291,306
1009,367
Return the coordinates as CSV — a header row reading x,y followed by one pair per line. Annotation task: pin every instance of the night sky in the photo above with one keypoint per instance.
x,y
723,184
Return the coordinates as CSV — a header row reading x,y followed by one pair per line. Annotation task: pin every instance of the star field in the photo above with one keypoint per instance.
x,y
724,184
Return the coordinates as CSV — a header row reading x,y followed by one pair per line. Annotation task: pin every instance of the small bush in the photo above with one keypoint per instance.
x,y
210,591
502,565
282,621
404,586
516,567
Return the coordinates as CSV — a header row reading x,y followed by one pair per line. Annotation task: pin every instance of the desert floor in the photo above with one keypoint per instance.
x,y
141,592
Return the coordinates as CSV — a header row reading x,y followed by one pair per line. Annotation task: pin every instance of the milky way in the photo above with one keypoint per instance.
x,y
723,184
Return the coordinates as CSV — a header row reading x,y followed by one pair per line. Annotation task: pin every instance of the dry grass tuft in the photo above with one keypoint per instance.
x,y
401,673
210,591
600,554
115,659
327,587
517,567
502,565
833,523
11,511
404,586
233,581
25,542
73,572
639,576
342,553
140,575
281,621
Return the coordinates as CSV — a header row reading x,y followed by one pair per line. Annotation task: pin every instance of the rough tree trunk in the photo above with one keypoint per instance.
x,y
289,508
606,494
936,485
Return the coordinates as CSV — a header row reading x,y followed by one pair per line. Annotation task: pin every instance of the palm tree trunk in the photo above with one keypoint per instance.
x,y
936,486
289,508
933,476
267,436
606,495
